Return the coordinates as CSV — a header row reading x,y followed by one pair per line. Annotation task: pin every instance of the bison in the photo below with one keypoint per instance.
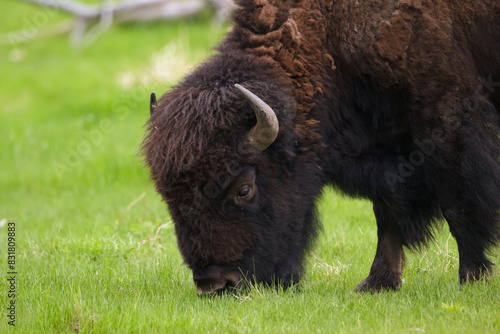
x,y
395,101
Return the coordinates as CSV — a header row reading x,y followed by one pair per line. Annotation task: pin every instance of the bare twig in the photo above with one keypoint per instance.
x,y
135,201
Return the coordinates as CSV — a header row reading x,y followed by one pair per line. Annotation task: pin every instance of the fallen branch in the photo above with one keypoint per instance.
x,y
101,16
130,10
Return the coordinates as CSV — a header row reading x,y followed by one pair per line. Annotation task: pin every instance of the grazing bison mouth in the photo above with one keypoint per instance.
x,y
216,280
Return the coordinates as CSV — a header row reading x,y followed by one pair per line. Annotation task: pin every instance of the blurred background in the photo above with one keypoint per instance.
x,y
74,92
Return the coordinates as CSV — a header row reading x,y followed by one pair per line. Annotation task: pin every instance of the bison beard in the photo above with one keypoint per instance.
x,y
394,101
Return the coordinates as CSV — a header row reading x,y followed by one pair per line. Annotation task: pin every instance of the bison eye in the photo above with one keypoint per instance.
x,y
244,191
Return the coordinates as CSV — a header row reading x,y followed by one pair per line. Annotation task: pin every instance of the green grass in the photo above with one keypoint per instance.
x,y
95,250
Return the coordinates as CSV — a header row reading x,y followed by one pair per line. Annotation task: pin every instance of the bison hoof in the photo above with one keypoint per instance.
x,y
374,285
474,275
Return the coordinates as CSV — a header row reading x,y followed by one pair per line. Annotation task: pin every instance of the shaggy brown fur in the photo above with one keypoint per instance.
x,y
394,101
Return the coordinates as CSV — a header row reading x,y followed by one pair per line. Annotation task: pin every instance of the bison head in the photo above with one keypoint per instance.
x,y
226,160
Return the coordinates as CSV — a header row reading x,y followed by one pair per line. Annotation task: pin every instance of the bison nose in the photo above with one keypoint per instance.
x,y
215,280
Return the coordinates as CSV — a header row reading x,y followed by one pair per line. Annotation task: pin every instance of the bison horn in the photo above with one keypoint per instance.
x,y
264,133
152,103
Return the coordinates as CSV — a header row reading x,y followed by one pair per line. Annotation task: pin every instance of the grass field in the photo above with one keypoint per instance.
x,y
95,249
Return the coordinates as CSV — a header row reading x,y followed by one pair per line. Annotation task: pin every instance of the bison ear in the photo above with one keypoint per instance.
x,y
264,133
152,103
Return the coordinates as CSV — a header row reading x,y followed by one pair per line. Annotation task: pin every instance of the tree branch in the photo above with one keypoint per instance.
x,y
130,10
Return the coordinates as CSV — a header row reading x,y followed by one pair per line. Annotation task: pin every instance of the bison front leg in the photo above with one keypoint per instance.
x,y
472,245
387,266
